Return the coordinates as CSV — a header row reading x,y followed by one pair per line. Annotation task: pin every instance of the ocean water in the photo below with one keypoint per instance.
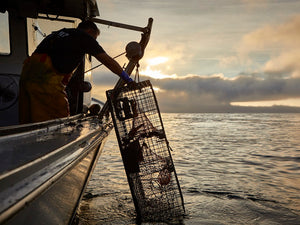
x,y
232,168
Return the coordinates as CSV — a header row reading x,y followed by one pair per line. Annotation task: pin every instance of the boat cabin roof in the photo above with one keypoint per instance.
x,y
70,8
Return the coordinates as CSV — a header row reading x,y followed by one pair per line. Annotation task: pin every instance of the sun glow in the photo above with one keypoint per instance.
x,y
157,60
156,73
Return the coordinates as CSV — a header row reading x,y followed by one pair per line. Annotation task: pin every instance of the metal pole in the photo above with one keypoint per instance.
x,y
129,68
120,25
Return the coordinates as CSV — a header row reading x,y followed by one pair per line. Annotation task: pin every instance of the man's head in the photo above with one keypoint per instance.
x,y
89,27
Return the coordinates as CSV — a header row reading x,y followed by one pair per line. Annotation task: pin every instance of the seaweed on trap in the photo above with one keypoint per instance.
x,y
146,153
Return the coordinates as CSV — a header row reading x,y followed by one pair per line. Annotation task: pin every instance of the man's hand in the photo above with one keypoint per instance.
x,y
126,77
114,66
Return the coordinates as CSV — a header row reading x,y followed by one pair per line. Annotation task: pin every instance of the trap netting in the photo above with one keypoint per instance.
x,y
146,153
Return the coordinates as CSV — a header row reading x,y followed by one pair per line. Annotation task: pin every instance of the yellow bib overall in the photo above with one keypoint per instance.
x,y
42,91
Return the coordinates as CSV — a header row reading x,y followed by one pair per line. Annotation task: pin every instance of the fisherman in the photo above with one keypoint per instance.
x,y
48,70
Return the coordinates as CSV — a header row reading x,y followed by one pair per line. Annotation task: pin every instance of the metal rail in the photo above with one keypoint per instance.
x,y
120,25
132,63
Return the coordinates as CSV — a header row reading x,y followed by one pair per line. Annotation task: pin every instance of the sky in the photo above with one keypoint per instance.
x,y
210,55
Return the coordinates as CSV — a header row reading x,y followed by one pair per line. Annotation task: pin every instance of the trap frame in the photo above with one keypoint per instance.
x,y
146,153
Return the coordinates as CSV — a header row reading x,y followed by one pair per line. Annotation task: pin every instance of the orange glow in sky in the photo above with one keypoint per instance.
x,y
286,102
156,73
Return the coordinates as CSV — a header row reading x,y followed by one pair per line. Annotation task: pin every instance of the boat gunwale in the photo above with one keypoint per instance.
x,y
32,127
19,204
48,155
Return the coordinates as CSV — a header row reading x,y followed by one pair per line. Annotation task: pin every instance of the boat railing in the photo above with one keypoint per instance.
x,y
15,129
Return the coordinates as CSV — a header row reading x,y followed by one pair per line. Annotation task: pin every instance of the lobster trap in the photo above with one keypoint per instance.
x,y
146,153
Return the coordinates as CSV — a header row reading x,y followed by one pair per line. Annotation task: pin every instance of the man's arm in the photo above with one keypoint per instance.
x,y
113,66
110,63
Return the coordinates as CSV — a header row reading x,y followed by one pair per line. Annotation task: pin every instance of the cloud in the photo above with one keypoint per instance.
x,y
286,34
286,63
255,3
242,88
282,44
195,93
229,61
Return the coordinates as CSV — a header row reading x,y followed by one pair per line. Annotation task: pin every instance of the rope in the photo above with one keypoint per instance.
x,y
102,63
137,74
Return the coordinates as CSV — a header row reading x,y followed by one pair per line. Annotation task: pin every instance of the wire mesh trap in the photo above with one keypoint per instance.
x,y
146,153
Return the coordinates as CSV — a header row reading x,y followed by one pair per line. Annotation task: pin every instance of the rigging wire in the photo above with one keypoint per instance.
x,y
102,63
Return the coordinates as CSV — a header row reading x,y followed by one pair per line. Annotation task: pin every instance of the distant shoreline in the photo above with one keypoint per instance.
x,y
239,109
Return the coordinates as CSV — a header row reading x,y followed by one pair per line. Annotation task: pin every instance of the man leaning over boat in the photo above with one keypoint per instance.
x,y
48,70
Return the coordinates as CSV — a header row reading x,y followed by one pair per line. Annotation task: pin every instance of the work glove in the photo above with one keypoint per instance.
x,y
126,77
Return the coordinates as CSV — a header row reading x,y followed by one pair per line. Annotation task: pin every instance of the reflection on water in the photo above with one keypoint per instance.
x,y
233,169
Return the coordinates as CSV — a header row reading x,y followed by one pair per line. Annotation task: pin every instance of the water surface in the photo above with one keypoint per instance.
x,y
233,169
